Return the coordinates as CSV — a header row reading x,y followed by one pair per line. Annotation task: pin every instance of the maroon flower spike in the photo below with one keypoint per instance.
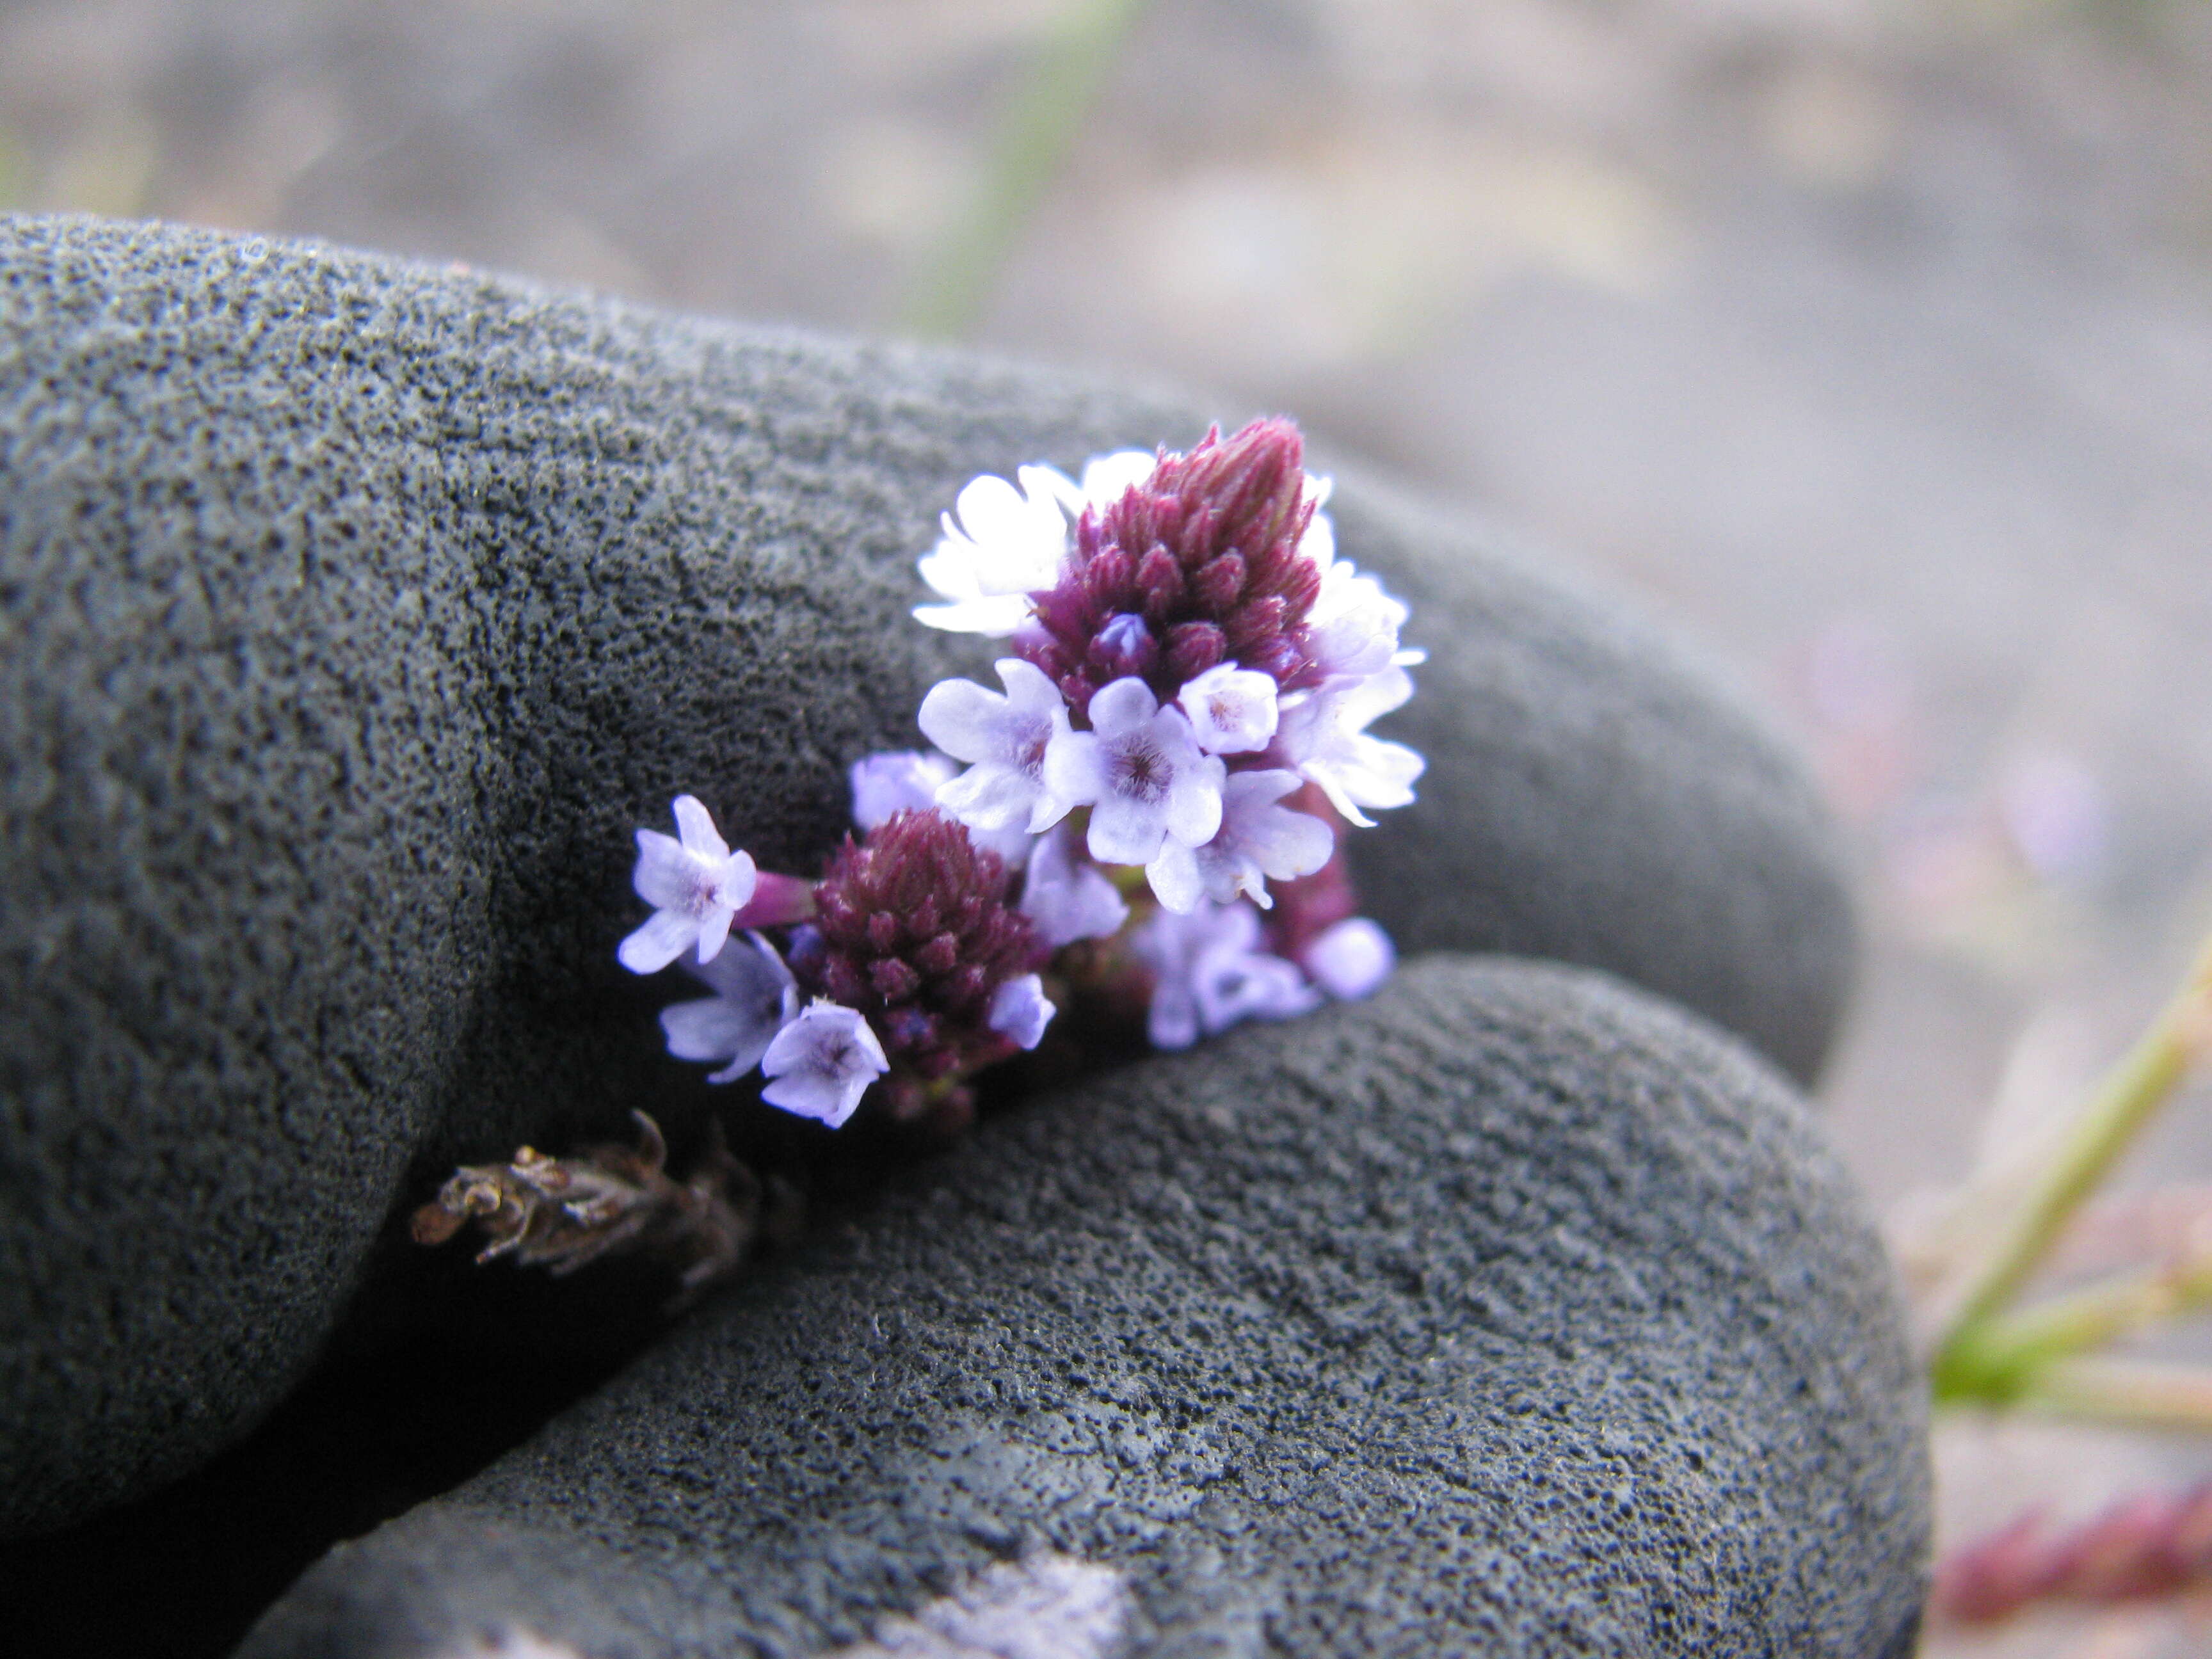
x,y
2142,1549
1197,565
914,930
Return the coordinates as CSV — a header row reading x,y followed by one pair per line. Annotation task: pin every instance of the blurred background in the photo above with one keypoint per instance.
x,y
1870,341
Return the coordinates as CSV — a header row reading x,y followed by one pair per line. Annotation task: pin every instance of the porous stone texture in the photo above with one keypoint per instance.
x,y
1513,1312
352,613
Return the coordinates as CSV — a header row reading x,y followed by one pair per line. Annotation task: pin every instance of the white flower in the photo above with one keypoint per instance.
x,y
1107,478
1208,973
1140,770
755,997
1065,901
1006,737
1351,959
696,886
1020,1011
1257,839
1005,543
1232,709
1323,732
822,1062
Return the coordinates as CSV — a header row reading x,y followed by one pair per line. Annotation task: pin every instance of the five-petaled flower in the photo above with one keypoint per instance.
x,y
1232,709
821,1063
1141,771
1209,972
1257,839
1323,733
696,886
1006,739
755,998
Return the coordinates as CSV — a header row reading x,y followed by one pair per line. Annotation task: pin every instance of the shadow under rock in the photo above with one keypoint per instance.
x,y
186,1571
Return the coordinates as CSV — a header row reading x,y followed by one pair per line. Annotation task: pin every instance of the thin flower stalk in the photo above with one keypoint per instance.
x,y
2116,1114
2139,1394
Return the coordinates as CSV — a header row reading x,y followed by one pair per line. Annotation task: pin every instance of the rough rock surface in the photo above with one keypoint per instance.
x,y
1514,1312
352,614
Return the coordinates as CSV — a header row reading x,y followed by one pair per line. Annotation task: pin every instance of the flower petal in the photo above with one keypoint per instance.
x,y
964,719
902,781
1194,804
1123,831
713,931
1020,1011
1175,877
664,936
1074,771
1124,706
1351,959
694,826
1065,901
667,877
989,797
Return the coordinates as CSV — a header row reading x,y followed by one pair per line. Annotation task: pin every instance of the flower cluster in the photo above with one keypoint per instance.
x,y
1179,731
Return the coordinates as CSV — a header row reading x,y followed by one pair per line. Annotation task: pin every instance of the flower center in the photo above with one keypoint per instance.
x,y
1031,738
1141,772
704,888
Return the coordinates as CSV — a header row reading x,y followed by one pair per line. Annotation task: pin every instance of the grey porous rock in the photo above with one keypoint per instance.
x,y
352,615
1514,1312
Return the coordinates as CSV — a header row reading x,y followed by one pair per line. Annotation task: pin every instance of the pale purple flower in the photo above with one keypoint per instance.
x,y
1141,772
897,780
755,997
1352,629
1006,739
1257,840
822,1062
1209,973
1323,733
696,886
1232,709
1350,960
1065,901
1020,1011
906,781
1007,543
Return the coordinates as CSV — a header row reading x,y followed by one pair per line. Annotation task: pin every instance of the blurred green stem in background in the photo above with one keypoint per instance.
x,y
2139,1394
1985,1357
1033,141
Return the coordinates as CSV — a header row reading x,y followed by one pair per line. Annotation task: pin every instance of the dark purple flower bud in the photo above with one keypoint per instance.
x,y
883,930
1159,580
939,956
1220,582
910,1029
1205,550
893,980
1193,647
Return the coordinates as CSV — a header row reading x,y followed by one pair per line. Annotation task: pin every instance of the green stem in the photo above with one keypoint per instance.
x,y
2123,1103
2000,1357
1039,131
2130,1393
